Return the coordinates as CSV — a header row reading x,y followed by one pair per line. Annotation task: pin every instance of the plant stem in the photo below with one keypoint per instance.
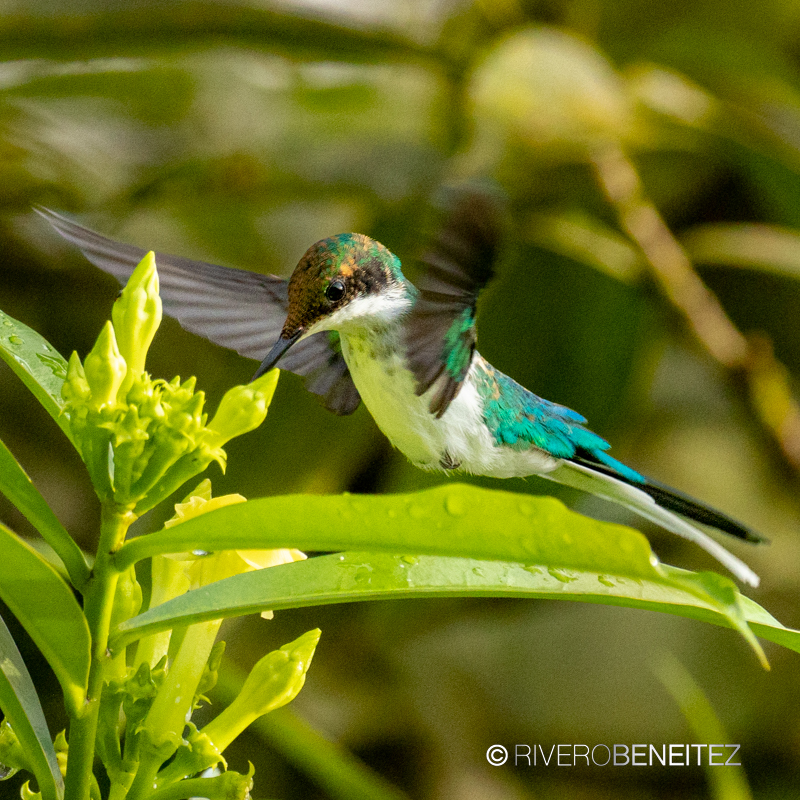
x,y
99,594
161,732
750,360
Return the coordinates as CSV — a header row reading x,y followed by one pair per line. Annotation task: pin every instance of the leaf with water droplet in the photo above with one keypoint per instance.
x,y
454,505
493,530
319,580
363,576
560,575
55,363
43,377
526,508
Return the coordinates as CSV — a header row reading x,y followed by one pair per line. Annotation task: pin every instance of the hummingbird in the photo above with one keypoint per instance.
x,y
351,323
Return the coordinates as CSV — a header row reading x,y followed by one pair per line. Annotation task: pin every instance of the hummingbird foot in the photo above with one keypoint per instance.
x,y
447,462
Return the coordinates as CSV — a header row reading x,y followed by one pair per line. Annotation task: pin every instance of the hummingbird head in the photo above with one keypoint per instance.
x,y
344,282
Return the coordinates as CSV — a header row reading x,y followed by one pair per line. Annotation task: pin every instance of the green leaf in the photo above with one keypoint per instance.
x,y
121,31
725,784
587,240
340,774
22,709
765,247
37,364
450,520
353,577
19,489
47,609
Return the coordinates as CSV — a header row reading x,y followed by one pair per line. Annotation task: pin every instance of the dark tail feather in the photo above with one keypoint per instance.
x,y
679,503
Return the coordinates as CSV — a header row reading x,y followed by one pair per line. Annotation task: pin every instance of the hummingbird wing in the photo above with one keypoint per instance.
x,y
243,311
440,330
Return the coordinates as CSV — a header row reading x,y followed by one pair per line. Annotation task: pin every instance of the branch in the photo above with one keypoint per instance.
x,y
749,359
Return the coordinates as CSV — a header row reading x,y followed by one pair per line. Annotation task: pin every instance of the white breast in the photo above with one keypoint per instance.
x,y
460,436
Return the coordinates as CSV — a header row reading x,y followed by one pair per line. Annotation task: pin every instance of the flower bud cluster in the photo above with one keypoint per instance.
x,y
140,437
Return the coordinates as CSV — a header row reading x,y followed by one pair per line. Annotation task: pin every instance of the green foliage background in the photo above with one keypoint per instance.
x,y
242,133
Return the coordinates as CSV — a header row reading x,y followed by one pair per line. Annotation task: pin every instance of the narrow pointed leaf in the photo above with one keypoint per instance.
x,y
753,246
353,577
37,364
22,709
47,609
725,784
18,488
452,520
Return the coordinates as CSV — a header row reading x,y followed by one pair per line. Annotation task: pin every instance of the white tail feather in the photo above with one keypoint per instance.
x,y
586,479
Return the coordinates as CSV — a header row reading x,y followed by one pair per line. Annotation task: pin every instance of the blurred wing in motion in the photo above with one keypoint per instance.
x,y
440,331
243,311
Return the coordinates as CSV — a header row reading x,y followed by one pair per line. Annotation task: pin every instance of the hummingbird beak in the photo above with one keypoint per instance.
x,y
274,355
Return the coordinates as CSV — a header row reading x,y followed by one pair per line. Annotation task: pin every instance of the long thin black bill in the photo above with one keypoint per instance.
x,y
274,355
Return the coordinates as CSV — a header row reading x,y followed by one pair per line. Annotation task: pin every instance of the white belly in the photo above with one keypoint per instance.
x,y
459,438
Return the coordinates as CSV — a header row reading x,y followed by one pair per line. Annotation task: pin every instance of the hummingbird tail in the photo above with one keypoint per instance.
x,y
638,498
671,499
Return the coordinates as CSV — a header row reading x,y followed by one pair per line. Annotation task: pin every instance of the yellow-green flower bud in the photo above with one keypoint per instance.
x,y
187,466
228,786
186,417
243,408
145,394
208,680
12,756
105,369
169,446
76,387
62,751
26,793
137,315
127,597
195,755
273,682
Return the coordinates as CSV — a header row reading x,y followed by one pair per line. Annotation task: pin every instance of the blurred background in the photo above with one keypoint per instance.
x,y
647,150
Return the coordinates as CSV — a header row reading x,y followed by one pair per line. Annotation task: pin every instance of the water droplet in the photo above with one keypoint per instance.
x,y
410,559
363,576
8,323
358,505
345,513
562,576
605,581
526,508
15,339
341,558
55,364
455,505
533,570
529,543
478,572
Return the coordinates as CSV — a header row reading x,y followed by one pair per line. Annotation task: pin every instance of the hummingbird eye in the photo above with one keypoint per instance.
x,y
335,291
